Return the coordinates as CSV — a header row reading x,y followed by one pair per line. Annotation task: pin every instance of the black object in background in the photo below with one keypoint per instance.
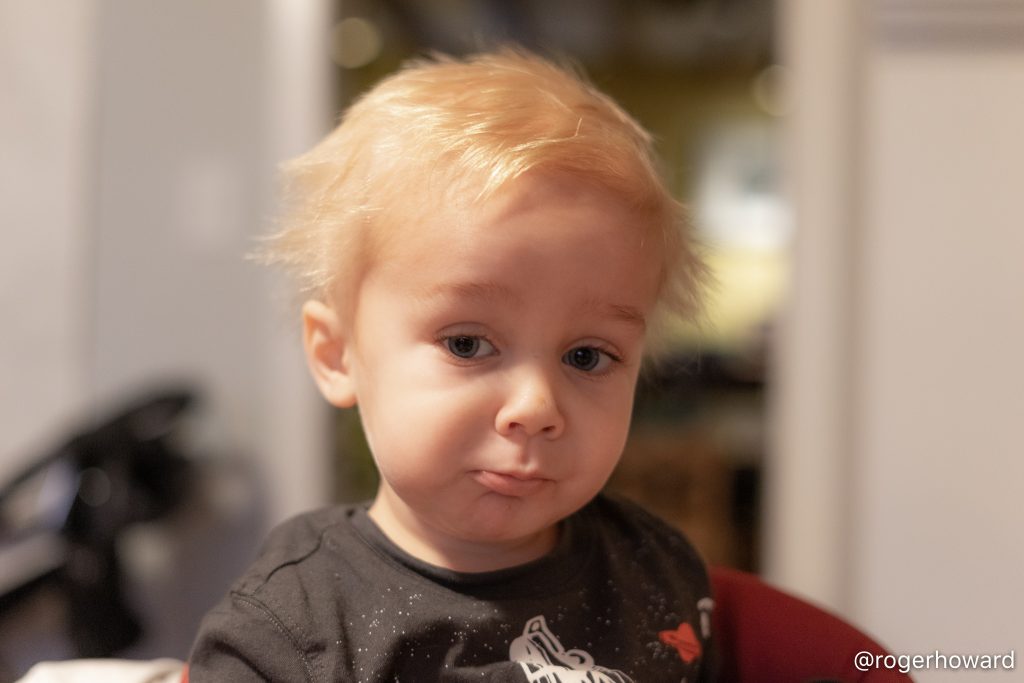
x,y
69,507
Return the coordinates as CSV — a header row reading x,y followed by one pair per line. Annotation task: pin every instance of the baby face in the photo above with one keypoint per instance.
x,y
494,360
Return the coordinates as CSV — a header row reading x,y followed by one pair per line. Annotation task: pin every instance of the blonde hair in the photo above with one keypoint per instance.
x,y
483,121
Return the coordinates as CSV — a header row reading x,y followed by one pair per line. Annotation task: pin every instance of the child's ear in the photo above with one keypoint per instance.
x,y
328,353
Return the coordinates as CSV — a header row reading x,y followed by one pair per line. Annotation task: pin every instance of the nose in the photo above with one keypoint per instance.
x,y
531,408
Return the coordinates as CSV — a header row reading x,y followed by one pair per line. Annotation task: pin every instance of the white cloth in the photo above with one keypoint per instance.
x,y
105,671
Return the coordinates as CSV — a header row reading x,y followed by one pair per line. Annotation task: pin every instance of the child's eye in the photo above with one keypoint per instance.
x,y
468,346
588,359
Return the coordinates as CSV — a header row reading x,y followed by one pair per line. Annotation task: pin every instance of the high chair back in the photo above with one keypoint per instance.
x,y
766,635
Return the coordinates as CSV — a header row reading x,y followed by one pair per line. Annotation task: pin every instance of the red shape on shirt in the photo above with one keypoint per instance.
x,y
684,640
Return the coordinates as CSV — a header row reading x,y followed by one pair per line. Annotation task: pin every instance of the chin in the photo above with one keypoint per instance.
x,y
513,523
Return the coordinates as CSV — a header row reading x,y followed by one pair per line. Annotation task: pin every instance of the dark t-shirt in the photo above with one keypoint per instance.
x,y
623,597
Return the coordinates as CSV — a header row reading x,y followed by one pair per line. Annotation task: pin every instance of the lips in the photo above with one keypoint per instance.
x,y
509,483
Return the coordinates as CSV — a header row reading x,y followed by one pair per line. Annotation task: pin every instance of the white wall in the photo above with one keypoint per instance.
x,y
938,557
140,143
140,140
190,132
47,105
806,501
897,460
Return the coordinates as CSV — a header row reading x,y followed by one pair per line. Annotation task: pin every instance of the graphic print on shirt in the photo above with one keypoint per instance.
x,y
545,660
684,640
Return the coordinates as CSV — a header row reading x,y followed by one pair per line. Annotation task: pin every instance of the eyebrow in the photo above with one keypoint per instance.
x,y
627,314
488,292
481,291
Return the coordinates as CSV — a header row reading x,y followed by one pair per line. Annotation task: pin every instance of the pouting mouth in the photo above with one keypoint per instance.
x,y
510,483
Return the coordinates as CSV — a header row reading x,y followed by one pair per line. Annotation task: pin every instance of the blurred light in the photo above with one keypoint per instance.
x,y
355,42
148,552
769,90
736,201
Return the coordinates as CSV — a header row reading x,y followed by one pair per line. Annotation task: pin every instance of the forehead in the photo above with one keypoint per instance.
x,y
454,218
586,243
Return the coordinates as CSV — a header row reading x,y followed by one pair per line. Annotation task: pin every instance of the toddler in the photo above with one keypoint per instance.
x,y
487,253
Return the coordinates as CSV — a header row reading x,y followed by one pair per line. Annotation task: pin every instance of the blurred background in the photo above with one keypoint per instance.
x,y
847,421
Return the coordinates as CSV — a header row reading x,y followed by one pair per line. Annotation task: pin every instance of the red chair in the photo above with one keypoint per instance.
x,y
765,635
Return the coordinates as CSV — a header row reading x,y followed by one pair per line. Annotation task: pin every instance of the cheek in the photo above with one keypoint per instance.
x,y
417,427
608,406
613,429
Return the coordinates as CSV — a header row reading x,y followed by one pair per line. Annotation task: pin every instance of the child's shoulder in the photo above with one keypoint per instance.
x,y
624,522
292,543
622,512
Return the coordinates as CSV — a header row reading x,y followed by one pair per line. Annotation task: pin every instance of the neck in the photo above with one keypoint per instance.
x,y
435,547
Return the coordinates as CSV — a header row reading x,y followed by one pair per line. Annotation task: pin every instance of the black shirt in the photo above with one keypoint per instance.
x,y
622,598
